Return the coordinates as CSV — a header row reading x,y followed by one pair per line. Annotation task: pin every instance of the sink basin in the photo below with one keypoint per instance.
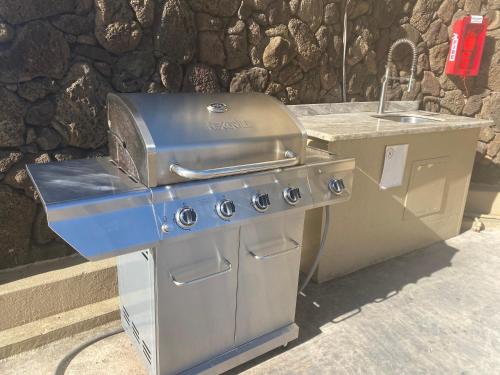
x,y
407,119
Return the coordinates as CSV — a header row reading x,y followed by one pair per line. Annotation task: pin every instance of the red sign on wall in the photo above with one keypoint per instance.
x,y
466,46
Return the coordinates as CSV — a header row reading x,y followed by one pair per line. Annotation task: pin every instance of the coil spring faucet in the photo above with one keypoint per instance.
x,y
387,78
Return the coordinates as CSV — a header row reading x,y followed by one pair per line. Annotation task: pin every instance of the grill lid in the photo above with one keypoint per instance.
x,y
161,139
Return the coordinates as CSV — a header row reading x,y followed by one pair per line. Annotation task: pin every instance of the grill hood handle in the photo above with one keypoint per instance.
x,y
205,174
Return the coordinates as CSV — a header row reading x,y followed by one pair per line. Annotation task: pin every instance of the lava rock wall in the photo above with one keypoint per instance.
x,y
60,58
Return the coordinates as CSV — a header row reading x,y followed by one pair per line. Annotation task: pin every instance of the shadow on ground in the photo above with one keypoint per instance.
x,y
341,299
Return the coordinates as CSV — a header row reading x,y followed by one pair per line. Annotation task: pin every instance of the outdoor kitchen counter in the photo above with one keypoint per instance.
x,y
424,206
357,125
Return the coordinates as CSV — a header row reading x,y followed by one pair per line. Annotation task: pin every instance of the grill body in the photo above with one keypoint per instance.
x,y
201,291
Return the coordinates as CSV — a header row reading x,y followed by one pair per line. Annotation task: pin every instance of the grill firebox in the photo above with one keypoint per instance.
x,y
203,201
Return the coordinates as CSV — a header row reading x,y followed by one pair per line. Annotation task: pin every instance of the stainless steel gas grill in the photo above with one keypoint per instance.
x,y
203,202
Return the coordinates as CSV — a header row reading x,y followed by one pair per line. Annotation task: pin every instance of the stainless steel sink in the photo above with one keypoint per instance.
x,y
406,119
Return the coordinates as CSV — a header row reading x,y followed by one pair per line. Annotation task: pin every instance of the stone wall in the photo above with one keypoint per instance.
x,y
59,59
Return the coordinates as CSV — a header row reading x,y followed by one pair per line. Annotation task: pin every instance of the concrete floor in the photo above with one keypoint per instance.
x,y
434,311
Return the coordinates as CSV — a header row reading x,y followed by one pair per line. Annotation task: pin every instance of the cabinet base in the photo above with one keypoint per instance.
x,y
246,352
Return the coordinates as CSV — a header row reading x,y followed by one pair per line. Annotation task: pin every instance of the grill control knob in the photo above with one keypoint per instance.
x,y
225,209
261,202
186,217
291,195
336,186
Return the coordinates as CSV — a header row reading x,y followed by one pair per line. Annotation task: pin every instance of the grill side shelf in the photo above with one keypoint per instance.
x,y
96,208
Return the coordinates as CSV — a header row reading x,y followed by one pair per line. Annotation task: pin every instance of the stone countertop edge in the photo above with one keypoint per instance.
x,y
349,107
345,121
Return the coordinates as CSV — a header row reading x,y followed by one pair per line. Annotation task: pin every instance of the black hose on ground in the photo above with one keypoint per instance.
x,y
65,361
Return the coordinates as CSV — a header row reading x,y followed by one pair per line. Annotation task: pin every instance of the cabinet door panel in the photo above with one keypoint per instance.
x,y
427,188
268,275
197,299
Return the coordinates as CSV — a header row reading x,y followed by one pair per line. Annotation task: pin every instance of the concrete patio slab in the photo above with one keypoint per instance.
x,y
433,311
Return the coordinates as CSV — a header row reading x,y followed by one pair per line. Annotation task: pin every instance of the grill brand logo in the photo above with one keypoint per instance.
x,y
229,125
454,46
217,108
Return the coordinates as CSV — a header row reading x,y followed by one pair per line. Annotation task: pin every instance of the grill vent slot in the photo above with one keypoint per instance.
x,y
146,351
126,315
145,255
135,332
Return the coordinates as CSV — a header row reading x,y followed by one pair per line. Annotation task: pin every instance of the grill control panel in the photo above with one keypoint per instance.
x,y
261,202
186,217
196,207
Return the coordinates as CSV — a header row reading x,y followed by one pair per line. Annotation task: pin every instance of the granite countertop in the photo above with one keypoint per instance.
x,y
341,121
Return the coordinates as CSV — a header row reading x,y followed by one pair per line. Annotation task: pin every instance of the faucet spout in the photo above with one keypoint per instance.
x,y
387,78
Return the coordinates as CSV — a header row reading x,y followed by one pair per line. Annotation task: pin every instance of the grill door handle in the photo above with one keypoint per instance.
x,y
226,269
205,174
294,245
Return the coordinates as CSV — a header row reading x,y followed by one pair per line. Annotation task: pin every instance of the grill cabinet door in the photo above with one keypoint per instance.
x,y
268,275
196,296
